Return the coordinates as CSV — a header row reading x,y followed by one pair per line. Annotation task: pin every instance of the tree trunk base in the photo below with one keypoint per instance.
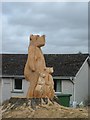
x,y
16,102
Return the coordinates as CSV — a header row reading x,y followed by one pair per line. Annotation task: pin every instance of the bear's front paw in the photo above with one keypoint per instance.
x,y
49,69
42,75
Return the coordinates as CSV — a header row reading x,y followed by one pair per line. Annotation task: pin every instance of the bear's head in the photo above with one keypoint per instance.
x,y
37,40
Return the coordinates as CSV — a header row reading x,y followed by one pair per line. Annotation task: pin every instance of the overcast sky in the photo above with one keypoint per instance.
x,y
64,24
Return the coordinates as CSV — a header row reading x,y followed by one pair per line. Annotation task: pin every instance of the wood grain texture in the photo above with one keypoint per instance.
x,y
36,72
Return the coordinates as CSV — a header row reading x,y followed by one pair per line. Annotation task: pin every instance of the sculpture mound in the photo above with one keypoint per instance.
x,y
21,108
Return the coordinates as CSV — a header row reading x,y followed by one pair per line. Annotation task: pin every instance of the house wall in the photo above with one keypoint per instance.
x,y
7,89
81,83
89,84
23,93
0,91
81,86
67,88
26,85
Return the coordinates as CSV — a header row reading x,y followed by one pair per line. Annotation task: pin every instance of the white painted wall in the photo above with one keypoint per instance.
x,y
67,88
81,84
0,91
88,83
26,85
7,89
23,93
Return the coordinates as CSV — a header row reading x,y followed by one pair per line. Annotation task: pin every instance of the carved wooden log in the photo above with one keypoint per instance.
x,y
36,72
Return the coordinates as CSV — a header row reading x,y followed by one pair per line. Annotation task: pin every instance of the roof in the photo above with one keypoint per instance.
x,y
66,64
63,64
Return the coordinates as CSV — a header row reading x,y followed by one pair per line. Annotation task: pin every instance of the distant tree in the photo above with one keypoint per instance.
x,y
79,52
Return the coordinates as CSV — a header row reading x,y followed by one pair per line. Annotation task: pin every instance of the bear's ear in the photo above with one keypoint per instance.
x,y
43,36
31,37
37,36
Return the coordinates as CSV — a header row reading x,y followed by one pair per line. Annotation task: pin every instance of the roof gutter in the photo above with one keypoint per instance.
x,y
12,76
64,77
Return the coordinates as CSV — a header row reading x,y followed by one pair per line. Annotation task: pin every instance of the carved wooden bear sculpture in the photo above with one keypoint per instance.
x,y
41,81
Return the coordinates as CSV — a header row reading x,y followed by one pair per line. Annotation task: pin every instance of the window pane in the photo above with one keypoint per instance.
x,y
57,85
18,84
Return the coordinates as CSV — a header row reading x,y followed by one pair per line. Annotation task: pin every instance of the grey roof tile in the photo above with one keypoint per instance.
x,y
63,64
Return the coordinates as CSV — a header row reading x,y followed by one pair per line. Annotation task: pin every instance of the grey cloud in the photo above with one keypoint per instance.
x,y
50,13
64,24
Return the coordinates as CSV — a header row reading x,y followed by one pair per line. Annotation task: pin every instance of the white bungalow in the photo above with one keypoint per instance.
x,y
70,75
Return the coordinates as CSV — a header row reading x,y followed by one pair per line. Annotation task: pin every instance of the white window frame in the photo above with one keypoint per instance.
x,y
57,86
17,90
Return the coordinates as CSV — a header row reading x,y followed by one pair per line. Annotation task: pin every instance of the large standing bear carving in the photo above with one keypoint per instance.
x,y
36,72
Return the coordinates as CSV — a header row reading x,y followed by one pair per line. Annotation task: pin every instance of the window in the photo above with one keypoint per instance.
x,y
57,85
18,84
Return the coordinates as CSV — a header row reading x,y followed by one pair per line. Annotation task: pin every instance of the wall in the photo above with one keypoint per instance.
x,y
23,93
0,91
67,88
89,83
81,84
7,89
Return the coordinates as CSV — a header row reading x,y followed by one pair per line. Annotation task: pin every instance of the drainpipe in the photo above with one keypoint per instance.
x,y
74,100
73,91
72,80
74,88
